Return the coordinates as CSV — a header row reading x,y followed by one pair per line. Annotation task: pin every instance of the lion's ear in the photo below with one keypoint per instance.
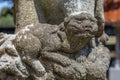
x,y
66,21
62,27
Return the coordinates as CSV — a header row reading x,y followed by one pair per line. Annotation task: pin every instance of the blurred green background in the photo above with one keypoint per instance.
x,y
6,17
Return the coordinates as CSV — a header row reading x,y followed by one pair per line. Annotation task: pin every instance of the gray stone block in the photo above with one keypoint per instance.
x,y
114,73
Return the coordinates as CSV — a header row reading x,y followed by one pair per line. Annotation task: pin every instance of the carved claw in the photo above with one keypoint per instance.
x,y
104,38
11,51
35,65
73,72
21,72
38,67
22,69
12,65
56,57
39,78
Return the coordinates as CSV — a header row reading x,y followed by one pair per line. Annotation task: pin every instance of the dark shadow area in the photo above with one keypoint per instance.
x,y
110,30
9,30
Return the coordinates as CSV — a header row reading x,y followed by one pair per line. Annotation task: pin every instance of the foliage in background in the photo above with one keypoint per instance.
x,y
6,18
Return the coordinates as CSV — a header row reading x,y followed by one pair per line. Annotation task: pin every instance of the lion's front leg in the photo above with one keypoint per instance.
x,y
55,57
35,65
29,47
97,63
62,66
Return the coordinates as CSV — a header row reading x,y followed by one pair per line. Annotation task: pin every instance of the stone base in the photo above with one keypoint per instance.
x,y
114,73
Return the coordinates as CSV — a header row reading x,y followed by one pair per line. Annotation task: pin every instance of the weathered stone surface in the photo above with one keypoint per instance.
x,y
49,52
97,63
56,10
10,61
25,13
53,11
69,51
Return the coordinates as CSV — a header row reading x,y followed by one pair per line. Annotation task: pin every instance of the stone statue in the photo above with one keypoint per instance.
x,y
68,51
55,13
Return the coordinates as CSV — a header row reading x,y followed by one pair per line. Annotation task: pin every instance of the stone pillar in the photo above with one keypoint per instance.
x,y
25,13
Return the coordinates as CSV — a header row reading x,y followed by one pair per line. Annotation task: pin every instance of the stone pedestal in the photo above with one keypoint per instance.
x,y
114,72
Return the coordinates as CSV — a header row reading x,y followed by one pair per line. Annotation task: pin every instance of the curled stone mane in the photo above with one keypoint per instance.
x,y
81,16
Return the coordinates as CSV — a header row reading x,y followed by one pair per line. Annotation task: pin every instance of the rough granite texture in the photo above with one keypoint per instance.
x,y
56,10
70,50
67,51
25,13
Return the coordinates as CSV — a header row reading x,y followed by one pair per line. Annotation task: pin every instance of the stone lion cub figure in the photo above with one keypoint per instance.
x,y
61,51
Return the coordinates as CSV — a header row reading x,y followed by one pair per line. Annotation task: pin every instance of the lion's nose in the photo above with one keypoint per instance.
x,y
87,27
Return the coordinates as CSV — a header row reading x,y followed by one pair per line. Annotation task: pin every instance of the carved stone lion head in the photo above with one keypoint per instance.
x,y
82,25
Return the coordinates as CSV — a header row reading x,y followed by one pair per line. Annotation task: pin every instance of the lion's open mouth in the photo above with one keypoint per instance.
x,y
84,33
87,31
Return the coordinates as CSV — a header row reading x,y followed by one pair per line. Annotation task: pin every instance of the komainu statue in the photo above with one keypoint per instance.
x,y
71,50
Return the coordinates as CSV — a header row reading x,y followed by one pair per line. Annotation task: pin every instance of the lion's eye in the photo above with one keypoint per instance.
x,y
79,22
92,23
